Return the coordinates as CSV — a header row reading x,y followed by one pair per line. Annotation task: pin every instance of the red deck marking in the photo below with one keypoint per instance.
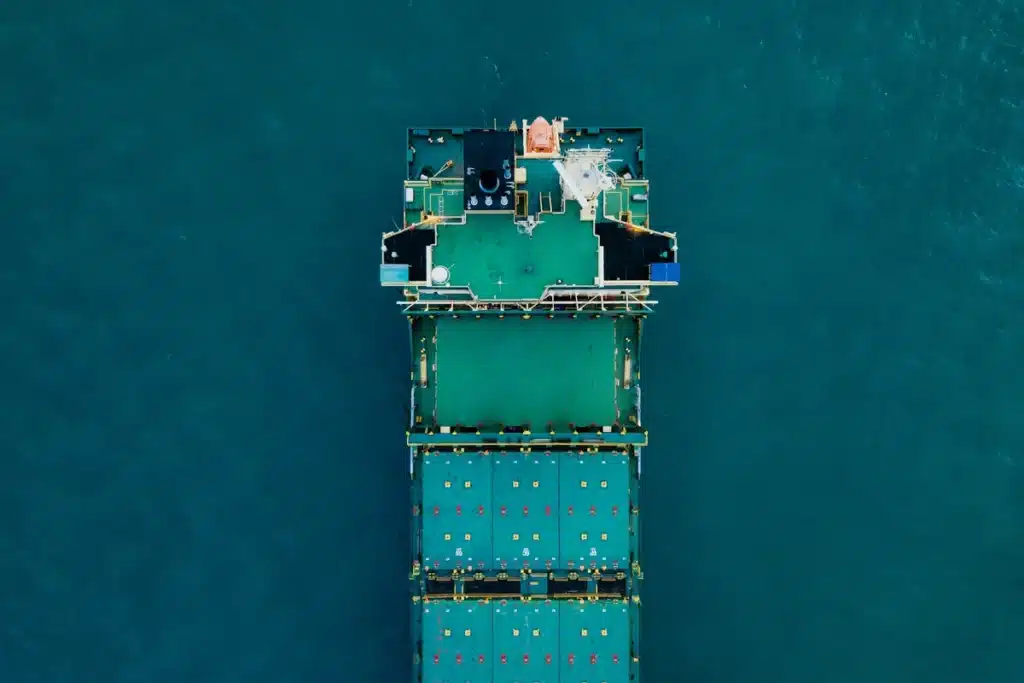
x,y
547,510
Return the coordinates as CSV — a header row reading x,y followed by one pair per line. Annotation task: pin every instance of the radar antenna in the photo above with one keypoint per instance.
x,y
585,173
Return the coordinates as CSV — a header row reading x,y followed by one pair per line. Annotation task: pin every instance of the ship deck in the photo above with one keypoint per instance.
x,y
491,257
514,242
525,309
498,510
533,371
513,641
488,253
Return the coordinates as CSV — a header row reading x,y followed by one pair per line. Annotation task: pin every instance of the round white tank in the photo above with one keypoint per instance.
x,y
439,275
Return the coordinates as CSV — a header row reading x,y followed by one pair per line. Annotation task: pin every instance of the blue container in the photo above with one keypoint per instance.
x,y
665,272
394,273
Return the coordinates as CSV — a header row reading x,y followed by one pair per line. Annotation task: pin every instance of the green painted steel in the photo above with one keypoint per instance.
x,y
526,641
526,505
534,371
458,642
495,260
531,371
594,638
543,511
510,641
594,512
457,499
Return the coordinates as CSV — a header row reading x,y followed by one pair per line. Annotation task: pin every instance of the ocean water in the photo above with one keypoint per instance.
x,y
202,476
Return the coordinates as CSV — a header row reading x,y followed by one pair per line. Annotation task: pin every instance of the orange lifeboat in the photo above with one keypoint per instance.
x,y
540,136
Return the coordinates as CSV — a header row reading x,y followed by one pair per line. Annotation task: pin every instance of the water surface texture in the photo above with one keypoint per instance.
x,y
202,473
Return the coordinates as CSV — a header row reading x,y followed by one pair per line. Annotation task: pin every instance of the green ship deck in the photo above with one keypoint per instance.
x,y
496,263
505,511
525,371
512,641
526,264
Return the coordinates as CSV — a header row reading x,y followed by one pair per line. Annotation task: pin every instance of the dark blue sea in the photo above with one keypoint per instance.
x,y
202,387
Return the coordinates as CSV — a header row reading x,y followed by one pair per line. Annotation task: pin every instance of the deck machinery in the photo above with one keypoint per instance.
x,y
526,264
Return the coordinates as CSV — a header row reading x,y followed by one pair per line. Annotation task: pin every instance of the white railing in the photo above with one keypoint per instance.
x,y
573,300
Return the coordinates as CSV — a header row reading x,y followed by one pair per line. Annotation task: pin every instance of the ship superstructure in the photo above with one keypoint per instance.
x,y
526,264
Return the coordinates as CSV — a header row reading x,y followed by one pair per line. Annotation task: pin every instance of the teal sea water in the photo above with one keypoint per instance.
x,y
202,474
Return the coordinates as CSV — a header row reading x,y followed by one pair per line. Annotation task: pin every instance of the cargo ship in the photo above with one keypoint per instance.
x,y
526,264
